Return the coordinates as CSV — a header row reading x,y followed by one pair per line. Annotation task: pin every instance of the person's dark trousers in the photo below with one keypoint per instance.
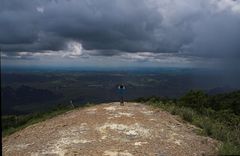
x,y
122,102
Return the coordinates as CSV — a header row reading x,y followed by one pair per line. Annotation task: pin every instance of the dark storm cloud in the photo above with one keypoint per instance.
x,y
110,27
217,36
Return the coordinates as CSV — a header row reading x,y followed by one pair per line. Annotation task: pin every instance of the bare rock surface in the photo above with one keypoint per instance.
x,y
110,130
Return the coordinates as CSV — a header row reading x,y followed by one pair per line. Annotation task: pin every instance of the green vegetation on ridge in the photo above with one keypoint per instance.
x,y
218,116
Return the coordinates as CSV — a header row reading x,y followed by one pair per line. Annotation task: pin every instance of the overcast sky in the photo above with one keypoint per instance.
x,y
178,33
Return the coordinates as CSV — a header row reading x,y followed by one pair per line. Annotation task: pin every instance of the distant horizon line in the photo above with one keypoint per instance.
x,y
98,69
101,67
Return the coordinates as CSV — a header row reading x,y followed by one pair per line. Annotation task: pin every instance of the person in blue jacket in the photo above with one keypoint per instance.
x,y
121,89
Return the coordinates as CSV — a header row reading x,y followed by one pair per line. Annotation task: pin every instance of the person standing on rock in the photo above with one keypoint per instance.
x,y
121,89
